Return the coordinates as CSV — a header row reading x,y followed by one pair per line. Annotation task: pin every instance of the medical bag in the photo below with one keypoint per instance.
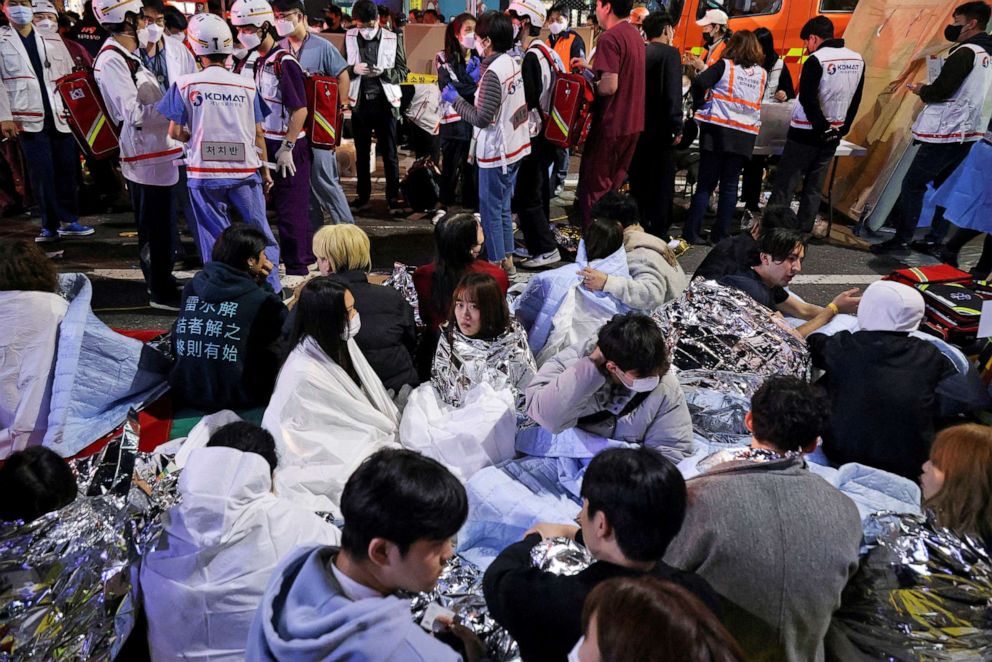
x,y
953,307
324,116
570,115
938,273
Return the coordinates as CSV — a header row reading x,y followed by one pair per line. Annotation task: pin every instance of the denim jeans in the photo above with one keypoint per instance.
x,y
325,190
714,168
495,193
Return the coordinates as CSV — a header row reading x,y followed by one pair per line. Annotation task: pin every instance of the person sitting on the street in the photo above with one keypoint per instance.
x,y
388,338
656,276
329,410
481,343
739,252
776,541
651,620
634,502
32,310
205,575
618,386
33,482
225,338
957,481
882,383
779,259
401,511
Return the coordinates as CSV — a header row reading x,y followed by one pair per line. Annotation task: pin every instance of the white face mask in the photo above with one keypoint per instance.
x,y
284,26
639,385
249,40
368,34
155,33
480,48
516,30
19,15
573,655
179,37
143,37
467,41
45,25
239,53
354,326
558,27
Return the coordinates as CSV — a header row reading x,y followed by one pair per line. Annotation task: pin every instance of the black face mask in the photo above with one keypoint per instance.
x,y
952,32
708,39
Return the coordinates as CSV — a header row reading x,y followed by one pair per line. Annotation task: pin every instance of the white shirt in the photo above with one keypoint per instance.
x,y
352,589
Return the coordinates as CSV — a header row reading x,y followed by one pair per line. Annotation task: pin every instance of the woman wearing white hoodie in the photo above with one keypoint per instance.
x,y
203,579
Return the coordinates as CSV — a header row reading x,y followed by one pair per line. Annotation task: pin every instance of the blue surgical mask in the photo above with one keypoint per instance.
x,y
19,15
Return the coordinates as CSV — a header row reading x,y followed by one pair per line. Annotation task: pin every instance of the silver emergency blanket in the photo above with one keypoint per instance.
x,y
66,590
460,589
402,280
560,556
718,401
715,327
460,363
567,237
922,593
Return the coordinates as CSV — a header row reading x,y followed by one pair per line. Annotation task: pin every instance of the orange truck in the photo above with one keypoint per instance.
x,y
785,19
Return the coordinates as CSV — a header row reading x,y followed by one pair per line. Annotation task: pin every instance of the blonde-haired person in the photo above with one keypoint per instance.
x,y
388,333
957,481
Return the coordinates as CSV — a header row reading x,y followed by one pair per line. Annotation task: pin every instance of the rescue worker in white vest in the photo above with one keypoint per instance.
x,y
952,119
255,23
319,57
168,60
31,60
458,64
218,114
377,65
716,39
502,137
568,44
282,84
532,191
130,91
727,97
830,86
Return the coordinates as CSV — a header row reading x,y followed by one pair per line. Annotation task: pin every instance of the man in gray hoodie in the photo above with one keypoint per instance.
x,y
401,510
777,542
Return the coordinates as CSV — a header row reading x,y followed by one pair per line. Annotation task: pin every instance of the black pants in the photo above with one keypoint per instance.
x,y
652,182
47,153
933,163
532,197
153,216
961,237
375,116
751,181
803,166
455,167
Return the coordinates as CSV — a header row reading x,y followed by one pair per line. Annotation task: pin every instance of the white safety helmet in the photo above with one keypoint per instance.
x,y
111,12
252,12
208,34
44,7
532,9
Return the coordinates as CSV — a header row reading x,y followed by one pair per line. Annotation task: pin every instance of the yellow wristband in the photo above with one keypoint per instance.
x,y
833,307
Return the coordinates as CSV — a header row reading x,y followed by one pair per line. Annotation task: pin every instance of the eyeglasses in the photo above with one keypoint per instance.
x,y
160,21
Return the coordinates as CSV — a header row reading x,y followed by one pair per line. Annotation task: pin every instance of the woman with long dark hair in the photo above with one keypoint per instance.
x,y
779,88
727,97
458,64
329,410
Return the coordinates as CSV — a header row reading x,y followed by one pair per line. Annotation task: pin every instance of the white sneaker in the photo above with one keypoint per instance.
x,y
521,251
542,260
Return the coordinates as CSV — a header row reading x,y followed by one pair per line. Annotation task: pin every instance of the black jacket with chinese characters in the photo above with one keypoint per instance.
x,y
223,340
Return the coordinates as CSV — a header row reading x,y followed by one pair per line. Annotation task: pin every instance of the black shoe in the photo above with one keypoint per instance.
x,y
889,246
947,256
359,205
928,246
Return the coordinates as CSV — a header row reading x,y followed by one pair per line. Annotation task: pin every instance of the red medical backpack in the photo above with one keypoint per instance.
x,y
324,116
570,116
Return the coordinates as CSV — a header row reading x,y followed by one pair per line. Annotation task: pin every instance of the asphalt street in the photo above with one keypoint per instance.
x,y
110,258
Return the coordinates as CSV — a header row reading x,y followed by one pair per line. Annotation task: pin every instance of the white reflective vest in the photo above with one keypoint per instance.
x,y
220,105
551,64
386,60
773,77
22,102
446,110
147,151
735,101
246,65
842,72
961,118
179,60
267,82
507,139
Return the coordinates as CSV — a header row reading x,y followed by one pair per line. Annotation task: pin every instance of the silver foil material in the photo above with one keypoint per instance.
x,y
567,237
742,454
560,556
460,589
715,327
461,362
67,589
718,401
402,280
922,593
